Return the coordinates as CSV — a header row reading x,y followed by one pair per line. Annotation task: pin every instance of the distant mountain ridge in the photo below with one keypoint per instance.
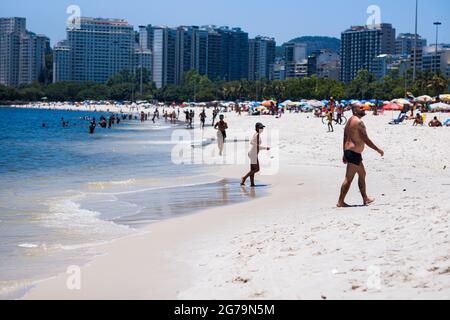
x,y
314,43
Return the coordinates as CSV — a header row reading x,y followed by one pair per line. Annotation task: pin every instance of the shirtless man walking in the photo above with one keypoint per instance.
x,y
355,140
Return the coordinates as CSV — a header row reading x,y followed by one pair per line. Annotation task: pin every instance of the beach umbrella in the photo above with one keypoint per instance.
x,y
445,97
393,107
424,98
440,107
315,103
268,103
356,103
291,104
401,101
307,107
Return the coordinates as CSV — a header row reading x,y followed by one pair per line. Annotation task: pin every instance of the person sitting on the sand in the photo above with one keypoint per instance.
x,y
418,121
435,123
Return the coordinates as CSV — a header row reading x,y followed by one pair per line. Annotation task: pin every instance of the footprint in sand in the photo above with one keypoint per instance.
x,y
241,280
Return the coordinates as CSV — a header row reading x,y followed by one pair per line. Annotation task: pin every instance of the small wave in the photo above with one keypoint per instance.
x,y
108,184
28,245
163,188
67,215
14,289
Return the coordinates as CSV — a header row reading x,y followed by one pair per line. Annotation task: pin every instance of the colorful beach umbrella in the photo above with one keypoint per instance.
x,y
445,97
268,103
424,98
440,107
315,103
393,107
401,101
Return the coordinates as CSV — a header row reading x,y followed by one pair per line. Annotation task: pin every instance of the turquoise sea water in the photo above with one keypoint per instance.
x,y
63,190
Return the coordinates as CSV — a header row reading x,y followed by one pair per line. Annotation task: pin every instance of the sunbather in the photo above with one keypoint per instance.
x,y
402,117
418,121
435,123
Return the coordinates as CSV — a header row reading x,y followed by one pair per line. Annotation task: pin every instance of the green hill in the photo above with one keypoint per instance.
x,y
315,43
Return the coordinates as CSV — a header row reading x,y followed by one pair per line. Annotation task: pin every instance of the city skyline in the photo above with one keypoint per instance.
x,y
46,17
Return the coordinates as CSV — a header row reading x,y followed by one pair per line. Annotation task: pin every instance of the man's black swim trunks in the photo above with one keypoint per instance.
x,y
353,157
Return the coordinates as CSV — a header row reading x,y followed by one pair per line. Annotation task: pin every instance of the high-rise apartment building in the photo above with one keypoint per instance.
x,y
324,64
261,58
404,44
436,62
219,53
146,36
22,53
234,53
296,60
96,50
360,45
164,49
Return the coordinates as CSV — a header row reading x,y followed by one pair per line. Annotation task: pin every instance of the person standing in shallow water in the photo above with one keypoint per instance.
x,y
253,155
92,126
355,140
221,127
203,119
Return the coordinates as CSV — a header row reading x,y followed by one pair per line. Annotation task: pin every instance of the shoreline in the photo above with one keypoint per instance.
x,y
294,243
19,286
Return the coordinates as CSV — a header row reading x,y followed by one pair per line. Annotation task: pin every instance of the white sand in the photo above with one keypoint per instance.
x,y
294,243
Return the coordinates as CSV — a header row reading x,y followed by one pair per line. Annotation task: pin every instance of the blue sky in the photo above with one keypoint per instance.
x,y
282,19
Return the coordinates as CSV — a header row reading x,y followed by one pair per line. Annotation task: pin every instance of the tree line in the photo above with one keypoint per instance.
x,y
126,86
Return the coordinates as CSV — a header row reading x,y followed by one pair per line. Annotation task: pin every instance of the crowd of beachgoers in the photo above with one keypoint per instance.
x,y
332,111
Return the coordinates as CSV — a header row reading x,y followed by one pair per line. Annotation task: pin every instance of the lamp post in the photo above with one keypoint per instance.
x,y
141,79
437,24
415,44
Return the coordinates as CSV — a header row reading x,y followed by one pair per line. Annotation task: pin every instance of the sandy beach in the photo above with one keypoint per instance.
x,y
294,243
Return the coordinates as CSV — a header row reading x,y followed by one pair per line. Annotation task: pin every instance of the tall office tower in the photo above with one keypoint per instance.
x,y
296,60
146,36
360,45
191,51
62,62
219,53
22,53
261,58
200,51
164,56
214,51
97,50
234,53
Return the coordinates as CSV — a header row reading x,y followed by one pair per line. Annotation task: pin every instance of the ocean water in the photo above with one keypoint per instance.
x,y
63,191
